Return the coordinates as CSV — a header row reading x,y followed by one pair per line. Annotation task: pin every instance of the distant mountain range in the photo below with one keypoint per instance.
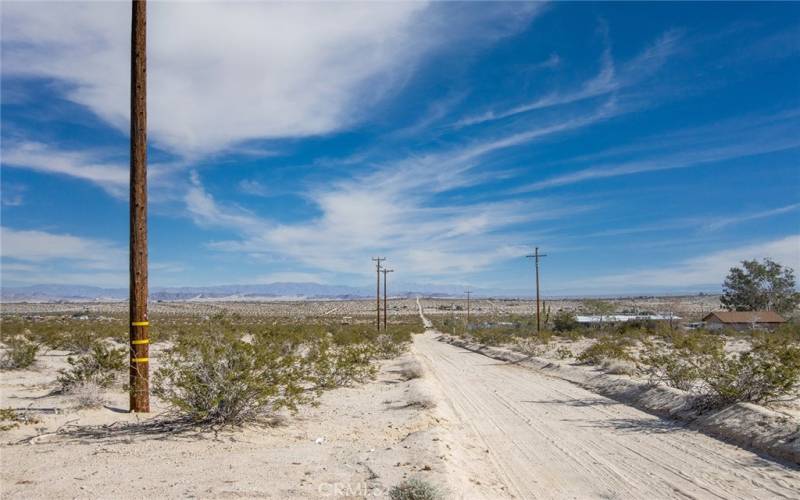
x,y
283,291
270,291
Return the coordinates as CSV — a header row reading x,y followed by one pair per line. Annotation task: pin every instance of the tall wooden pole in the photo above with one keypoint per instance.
x,y
139,338
378,261
536,255
468,292
385,315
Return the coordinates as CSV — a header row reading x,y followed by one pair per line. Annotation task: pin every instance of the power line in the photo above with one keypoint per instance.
x,y
138,333
536,255
378,261
468,292
385,315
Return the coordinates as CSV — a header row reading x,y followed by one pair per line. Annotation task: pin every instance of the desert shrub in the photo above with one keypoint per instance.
x,y
618,367
338,366
606,348
564,352
415,489
698,362
530,346
224,380
10,418
671,369
21,354
490,336
88,394
102,365
766,373
411,370
565,321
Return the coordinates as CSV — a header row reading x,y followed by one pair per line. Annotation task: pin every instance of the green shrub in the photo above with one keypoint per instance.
x,y
606,348
224,380
21,354
698,362
564,352
102,365
766,373
415,489
337,366
565,321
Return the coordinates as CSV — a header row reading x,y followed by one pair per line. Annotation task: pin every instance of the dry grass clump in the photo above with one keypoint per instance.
x,y
416,489
88,394
420,399
411,370
618,367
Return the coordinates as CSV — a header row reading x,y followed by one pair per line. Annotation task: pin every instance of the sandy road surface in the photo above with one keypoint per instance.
x,y
515,432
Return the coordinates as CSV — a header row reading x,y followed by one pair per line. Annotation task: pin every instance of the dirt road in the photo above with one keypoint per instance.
x,y
517,433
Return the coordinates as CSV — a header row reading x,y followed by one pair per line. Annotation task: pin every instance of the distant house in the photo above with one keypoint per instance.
x,y
743,320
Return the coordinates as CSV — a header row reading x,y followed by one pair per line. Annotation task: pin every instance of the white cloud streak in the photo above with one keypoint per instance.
x,y
608,80
709,269
778,133
225,72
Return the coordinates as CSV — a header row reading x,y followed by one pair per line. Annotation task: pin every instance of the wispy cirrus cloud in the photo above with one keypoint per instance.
x,y
608,80
394,210
704,270
747,138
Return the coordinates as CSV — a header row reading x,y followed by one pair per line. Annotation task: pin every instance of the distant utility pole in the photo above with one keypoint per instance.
x,y
378,261
468,292
139,338
385,271
536,255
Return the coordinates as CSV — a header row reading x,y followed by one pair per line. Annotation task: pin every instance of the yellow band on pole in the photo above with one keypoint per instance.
x,y
140,323
140,360
140,342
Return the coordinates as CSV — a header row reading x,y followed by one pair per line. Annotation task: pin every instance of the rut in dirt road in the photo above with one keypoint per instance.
x,y
547,438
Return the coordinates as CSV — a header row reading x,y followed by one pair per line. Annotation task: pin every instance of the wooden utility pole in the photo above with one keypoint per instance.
x,y
378,261
385,315
468,292
139,338
536,255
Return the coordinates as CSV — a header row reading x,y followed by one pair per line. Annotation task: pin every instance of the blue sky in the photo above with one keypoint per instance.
x,y
643,147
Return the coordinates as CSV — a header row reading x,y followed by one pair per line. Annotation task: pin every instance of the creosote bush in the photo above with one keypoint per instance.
x,y
415,489
102,366
608,347
224,380
21,354
697,362
338,366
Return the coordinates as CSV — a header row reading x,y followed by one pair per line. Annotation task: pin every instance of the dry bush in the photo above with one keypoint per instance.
x,y
102,366
606,347
88,394
21,354
564,353
416,489
618,367
411,370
